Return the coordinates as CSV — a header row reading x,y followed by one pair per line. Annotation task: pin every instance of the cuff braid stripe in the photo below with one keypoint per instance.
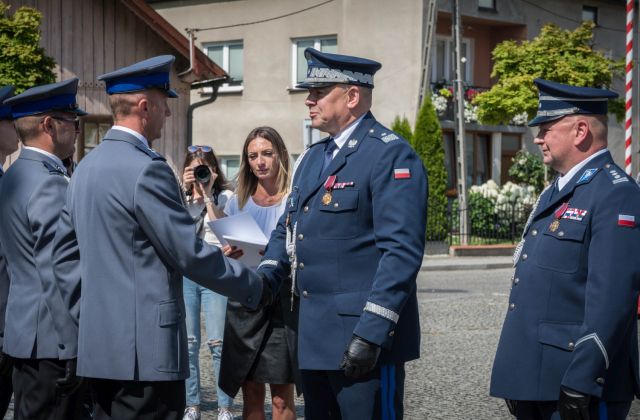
x,y
382,311
595,338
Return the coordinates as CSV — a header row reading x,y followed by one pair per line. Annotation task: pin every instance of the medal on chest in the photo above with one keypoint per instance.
x,y
555,224
328,186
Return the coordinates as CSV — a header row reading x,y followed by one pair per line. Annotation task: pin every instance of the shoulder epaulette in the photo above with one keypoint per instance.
x,y
383,134
149,152
614,173
53,168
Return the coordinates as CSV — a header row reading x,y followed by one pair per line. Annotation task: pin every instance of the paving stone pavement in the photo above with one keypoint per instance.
x,y
461,315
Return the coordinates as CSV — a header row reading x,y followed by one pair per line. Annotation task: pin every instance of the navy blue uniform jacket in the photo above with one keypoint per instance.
x,y
571,318
357,256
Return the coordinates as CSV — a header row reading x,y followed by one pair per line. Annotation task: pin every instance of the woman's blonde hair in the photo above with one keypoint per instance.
x,y
247,182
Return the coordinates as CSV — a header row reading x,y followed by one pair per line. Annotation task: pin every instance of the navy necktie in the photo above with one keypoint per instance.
x,y
328,153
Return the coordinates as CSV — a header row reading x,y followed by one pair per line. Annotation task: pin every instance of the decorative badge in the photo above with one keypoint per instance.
x,y
555,224
328,186
352,143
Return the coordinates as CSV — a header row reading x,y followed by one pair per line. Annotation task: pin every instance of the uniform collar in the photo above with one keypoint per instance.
x,y
51,156
564,180
134,133
342,136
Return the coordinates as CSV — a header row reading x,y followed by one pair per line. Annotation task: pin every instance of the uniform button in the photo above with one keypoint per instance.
x,y
516,280
391,333
600,381
335,204
561,233
300,237
512,306
301,266
524,257
305,293
534,232
571,346
305,209
61,346
607,165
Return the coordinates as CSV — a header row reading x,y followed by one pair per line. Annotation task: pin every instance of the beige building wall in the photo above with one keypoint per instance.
x,y
390,32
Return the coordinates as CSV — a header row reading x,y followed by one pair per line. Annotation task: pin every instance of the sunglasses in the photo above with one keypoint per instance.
x,y
75,121
204,149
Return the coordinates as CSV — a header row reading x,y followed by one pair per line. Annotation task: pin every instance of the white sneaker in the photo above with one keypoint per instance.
x,y
224,414
191,413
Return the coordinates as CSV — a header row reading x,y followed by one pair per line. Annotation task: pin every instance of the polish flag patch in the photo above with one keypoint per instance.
x,y
401,173
626,220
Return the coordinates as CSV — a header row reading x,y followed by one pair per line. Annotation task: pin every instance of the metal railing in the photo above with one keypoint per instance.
x,y
502,224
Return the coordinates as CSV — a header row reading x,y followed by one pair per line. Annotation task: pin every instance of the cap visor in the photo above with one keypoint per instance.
x,y
544,119
308,85
171,93
80,112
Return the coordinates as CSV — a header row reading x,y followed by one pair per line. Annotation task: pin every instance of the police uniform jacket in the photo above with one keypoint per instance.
x,y
572,315
33,191
4,285
124,215
359,254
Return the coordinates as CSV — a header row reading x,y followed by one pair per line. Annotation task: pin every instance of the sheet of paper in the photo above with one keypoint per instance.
x,y
251,251
241,226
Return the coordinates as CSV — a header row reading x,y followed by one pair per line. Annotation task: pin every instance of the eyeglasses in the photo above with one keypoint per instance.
x,y
195,148
75,121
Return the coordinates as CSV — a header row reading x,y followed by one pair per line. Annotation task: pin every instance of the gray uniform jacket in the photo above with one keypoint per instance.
x,y
33,191
4,285
124,215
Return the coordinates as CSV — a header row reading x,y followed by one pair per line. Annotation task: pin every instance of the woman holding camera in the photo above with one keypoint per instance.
x,y
260,346
206,194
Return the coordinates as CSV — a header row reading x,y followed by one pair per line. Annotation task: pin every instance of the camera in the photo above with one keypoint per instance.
x,y
202,173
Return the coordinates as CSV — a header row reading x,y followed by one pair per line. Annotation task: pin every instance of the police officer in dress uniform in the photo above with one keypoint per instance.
x,y
125,217
8,145
354,227
568,348
39,334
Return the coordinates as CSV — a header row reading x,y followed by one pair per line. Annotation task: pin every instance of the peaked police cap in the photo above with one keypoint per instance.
x,y
325,69
152,73
60,96
555,100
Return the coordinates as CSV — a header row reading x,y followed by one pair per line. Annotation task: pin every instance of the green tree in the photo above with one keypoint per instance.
x,y
556,54
402,127
427,142
23,63
527,169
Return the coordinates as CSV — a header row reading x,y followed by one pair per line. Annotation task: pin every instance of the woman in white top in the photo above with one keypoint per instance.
x,y
206,194
260,345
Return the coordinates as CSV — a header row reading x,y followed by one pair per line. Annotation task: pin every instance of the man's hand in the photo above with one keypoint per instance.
x,y
232,251
70,382
573,405
359,358
6,365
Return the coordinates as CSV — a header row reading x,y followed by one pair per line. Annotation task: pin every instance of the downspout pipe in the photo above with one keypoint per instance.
x,y
214,84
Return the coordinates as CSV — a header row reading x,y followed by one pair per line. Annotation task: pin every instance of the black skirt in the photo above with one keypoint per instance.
x,y
260,345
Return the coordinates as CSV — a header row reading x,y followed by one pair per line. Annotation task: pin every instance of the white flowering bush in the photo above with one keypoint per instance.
x,y
439,103
520,119
496,211
470,112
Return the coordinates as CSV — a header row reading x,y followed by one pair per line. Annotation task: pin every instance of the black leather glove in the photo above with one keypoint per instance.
x,y
359,358
6,365
573,405
512,405
70,382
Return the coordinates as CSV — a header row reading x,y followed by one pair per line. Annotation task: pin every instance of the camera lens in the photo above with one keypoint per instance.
x,y
202,174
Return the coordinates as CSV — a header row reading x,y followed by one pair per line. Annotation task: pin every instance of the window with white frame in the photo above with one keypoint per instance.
x,y
328,44
443,60
230,56
230,166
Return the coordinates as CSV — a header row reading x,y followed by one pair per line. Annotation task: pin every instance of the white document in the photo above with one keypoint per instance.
x,y
251,251
242,231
